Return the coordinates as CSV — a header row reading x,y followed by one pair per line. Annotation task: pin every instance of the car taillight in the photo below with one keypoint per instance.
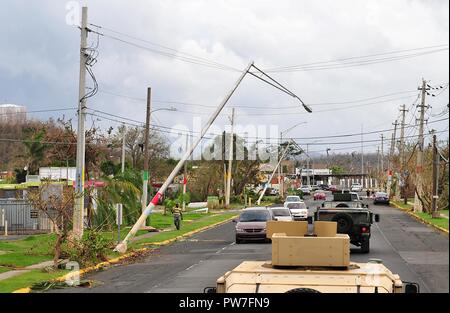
x,y
364,229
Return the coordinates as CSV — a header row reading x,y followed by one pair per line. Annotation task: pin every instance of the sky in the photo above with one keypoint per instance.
x,y
406,40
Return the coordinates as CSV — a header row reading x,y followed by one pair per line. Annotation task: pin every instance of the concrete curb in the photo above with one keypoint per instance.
x,y
127,255
419,218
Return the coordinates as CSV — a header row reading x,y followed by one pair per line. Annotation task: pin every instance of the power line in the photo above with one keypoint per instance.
x,y
139,123
167,54
258,107
322,65
191,56
341,63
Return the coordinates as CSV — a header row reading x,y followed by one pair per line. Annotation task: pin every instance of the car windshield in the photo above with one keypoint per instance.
x,y
281,212
296,206
254,216
292,199
381,194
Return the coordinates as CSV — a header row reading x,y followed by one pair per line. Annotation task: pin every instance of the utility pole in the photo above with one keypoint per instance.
x,y
402,155
145,174
378,161
362,157
224,166
273,173
279,169
419,162
382,160
123,147
390,156
230,161
78,212
308,182
434,211
185,176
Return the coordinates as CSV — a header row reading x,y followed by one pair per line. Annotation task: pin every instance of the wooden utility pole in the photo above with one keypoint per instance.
x,y
78,211
378,162
145,174
230,161
402,191
391,156
419,162
434,211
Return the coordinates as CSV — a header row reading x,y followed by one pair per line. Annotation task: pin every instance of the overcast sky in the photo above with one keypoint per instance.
x,y
39,61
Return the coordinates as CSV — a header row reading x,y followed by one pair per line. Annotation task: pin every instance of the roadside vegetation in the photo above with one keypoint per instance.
x,y
440,221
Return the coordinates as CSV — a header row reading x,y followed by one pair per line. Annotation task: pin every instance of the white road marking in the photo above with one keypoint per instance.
x,y
221,249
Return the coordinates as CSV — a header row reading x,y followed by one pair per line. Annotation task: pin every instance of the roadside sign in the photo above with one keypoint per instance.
x,y
145,175
119,208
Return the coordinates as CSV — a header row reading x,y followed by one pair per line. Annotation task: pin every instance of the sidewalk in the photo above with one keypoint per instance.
x,y
27,269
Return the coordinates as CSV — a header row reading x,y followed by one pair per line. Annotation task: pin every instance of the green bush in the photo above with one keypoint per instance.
x,y
89,250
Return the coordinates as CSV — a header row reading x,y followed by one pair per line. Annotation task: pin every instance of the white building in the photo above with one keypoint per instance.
x,y
57,173
12,113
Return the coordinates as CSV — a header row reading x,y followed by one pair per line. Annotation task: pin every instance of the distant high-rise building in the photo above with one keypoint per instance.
x,y
12,113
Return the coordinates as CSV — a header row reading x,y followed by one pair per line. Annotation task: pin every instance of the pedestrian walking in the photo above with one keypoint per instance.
x,y
177,215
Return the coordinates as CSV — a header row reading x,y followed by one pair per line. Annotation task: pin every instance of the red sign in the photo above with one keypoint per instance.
x,y
92,183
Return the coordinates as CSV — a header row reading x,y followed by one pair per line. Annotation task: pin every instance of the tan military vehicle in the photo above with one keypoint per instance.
x,y
310,262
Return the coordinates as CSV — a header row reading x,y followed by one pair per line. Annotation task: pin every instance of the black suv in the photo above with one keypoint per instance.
x,y
352,217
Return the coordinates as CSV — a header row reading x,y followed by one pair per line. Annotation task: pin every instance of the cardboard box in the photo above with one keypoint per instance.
x,y
290,228
325,229
310,251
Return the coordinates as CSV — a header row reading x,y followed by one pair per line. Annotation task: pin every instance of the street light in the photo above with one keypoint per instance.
x,y
164,109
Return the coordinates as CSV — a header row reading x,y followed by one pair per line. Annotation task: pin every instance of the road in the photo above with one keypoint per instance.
x,y
415,251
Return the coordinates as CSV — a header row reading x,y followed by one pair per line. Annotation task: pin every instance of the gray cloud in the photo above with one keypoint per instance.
x,y
39,63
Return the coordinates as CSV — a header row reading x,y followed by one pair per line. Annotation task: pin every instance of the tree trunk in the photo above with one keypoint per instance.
x,y
57,250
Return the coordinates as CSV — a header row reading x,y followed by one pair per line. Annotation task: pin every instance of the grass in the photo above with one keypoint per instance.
x,y
440,221
38,248
185,228
403,205
28,251
28,279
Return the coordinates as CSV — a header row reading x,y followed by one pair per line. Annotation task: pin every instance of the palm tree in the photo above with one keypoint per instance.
x,y
124,188
35,149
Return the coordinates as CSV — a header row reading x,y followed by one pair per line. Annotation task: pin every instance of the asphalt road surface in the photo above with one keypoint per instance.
x,y
415,251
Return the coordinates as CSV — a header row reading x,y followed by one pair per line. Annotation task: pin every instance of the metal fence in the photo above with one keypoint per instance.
x,y
22,219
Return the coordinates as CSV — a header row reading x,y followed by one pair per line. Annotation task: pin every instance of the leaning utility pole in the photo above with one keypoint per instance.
x,y
434,211
230,161
78,211
122,247
145,174
258,202
419,162
401,191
